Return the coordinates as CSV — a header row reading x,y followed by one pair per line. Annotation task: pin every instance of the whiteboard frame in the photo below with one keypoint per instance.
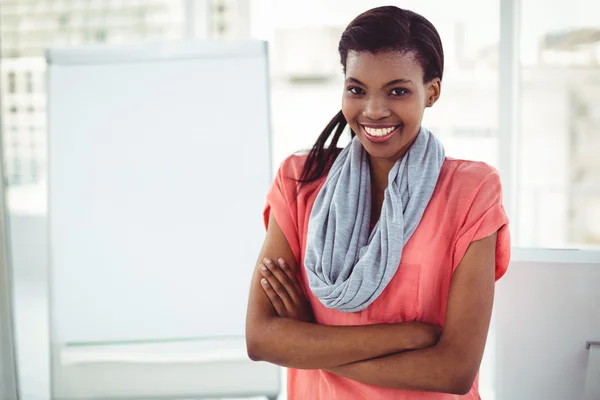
x,y
94,55
149,52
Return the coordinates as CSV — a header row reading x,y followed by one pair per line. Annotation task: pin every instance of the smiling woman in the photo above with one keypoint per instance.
x,y
376,278
376,100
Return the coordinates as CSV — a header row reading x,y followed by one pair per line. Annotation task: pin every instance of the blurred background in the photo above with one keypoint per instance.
x,y
552,175
557,184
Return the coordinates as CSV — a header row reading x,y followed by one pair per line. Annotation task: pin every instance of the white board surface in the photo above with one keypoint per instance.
x,y
159,165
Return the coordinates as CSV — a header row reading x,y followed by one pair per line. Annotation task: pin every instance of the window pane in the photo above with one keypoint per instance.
x,y
29,81
12,84
559,167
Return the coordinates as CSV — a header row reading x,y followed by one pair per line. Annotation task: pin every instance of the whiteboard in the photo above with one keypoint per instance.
x,y
159,165
547,308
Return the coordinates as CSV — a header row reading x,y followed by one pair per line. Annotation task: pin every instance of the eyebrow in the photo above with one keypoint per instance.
x,y
390,83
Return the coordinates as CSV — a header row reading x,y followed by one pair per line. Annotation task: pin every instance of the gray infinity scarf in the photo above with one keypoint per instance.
x,y
347,267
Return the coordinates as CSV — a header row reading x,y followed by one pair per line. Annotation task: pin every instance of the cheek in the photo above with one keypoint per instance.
x,y
350,109
410,111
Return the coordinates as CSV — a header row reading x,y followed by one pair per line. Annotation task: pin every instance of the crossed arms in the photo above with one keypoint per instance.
x,y
409,356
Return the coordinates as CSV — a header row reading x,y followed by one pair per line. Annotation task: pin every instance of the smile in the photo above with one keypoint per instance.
x,y
379,134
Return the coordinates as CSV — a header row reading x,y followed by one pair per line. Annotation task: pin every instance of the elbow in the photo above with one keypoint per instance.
x,y
259,340
254,346
266,342
461,386
253,354
460,373
254,350
461,382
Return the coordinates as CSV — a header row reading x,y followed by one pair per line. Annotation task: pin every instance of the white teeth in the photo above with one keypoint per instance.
x,y
379,131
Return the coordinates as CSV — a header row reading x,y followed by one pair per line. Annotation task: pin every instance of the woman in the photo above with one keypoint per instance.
x,y
376,278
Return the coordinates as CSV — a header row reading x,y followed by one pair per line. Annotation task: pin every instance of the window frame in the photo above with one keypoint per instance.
x,y
508,104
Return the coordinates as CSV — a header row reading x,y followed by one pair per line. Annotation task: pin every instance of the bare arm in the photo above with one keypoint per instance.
x,y
452,364
298,344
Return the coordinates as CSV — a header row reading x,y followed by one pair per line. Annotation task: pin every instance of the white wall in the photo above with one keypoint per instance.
x,y
547,307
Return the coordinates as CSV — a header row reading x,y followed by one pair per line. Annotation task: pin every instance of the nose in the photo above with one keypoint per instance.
x,y
376,108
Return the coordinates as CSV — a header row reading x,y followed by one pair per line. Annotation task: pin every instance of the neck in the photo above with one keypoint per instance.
x,y
380,169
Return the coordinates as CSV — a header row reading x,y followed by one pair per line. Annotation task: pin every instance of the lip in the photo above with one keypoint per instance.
x,y
379,126
379,139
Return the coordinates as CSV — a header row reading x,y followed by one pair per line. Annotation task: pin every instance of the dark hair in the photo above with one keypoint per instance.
x,y
380,29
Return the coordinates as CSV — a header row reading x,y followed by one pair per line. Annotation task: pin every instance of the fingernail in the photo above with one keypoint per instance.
x,y
264,281
281,262
268,261
263,267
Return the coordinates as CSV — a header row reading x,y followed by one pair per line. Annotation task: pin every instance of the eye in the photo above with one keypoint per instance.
x,y
356,90
399,92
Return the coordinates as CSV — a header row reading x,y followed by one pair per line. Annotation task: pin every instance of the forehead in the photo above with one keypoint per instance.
x,y
383,66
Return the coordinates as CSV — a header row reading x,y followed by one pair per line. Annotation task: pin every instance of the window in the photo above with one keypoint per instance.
x,y
12,82
17,167
474,132
29,82
100,35
34,168
558,201
63,21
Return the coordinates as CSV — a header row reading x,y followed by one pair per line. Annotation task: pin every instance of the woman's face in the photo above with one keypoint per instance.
x,y
384,100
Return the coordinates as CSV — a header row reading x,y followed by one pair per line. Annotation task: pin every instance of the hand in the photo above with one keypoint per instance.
x,y
283,289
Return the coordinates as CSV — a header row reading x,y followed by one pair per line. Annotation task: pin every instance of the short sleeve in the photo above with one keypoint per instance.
x,y
485,215
282,202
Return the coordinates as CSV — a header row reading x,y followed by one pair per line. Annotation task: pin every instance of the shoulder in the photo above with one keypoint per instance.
x,y
287,181
466,186
291,169
292,166
471,195
468,169
467,175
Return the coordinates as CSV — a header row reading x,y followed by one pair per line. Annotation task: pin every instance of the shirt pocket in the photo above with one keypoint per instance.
x,y
399,301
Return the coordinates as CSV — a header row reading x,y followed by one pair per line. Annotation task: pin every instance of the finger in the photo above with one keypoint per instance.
x,y
288,291
269,273
274,298
291,274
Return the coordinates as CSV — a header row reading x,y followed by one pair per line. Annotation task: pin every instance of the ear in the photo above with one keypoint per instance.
x,y
434,88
